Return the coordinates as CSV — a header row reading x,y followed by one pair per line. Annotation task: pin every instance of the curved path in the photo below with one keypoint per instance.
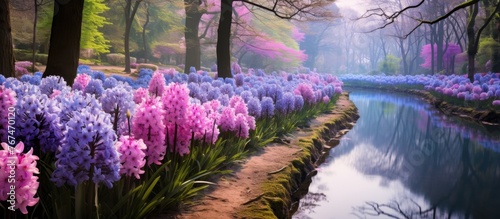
x,y
232,191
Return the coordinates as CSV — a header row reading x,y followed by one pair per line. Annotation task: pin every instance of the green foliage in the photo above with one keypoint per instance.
x,y
390,65
93,20
132,198
264,133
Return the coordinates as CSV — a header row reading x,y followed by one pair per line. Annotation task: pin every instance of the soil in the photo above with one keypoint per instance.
x,y
234,191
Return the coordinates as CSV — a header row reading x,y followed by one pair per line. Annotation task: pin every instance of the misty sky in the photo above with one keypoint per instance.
x,y
359,5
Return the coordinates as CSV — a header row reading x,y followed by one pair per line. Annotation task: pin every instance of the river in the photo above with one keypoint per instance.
x,y
404,159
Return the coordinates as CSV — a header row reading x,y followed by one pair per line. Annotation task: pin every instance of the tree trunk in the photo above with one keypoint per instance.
x,y
403,56
472,46
65,34
440,46
193,47
126,38
129,18
223,40
144,41
433,52
127,50
6,49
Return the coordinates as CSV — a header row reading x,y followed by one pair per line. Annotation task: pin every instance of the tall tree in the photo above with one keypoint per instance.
x,y
130,11
285,9
193,49
223,49
65,34
6,49
36,6
145,45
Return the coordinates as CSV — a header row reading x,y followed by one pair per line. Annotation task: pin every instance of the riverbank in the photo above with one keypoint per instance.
x,y
484,117
264,185
405,158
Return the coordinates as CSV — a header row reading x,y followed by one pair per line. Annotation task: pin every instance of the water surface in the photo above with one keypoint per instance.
x,y
404,159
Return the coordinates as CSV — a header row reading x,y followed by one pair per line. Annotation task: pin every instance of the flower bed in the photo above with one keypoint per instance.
x,y
484,92
122,148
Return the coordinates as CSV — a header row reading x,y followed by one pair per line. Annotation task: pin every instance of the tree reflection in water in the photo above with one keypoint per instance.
x,y
310,201
453,165
394,209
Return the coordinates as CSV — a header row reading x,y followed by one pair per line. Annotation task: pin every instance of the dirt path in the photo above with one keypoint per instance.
x,y
226,199
104,68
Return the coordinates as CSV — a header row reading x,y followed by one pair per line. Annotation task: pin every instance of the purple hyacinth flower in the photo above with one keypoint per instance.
x,y
267,107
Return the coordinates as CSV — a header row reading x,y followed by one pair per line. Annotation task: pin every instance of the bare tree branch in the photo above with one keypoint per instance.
x,y
296,8
391,18
456,8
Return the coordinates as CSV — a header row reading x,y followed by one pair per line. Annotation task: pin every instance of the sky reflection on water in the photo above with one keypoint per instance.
x,y
403,159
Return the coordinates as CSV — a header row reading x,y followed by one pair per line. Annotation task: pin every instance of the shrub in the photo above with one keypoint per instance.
x,y
147,66
115,58
24,67
390,65
22,55
118,59
89,62
25,55
21,70
24,64
41,58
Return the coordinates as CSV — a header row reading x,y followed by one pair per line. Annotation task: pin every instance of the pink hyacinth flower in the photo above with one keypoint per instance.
x,y
26,183
81,81
157,85
7,100
140,94
326,99
131,156
148,125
